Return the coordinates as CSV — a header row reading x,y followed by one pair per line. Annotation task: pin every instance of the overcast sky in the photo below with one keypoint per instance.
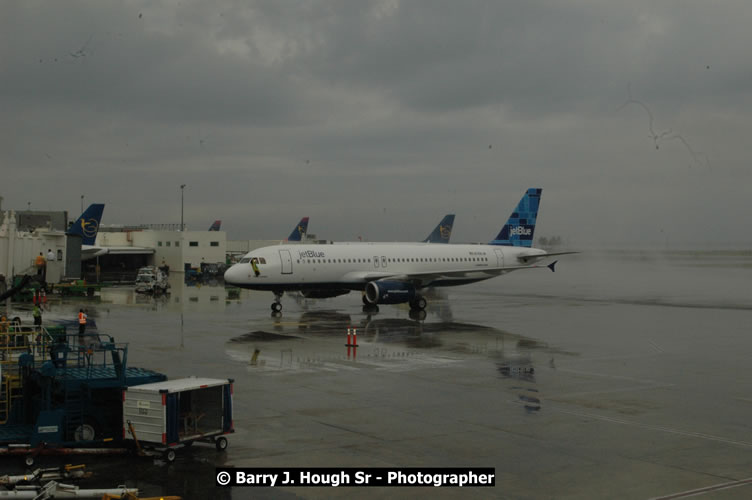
x,y
377,118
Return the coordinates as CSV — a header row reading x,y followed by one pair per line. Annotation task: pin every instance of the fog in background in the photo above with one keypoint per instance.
x,y
377,118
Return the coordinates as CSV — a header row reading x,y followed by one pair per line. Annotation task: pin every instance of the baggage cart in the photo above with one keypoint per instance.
x,y
164,416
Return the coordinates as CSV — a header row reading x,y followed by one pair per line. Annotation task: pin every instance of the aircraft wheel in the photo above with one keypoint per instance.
x,y
418,303
276,307
29,461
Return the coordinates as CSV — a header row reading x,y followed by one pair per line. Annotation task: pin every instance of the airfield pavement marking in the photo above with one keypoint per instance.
x,y
658,428
707,489
560,397
606,375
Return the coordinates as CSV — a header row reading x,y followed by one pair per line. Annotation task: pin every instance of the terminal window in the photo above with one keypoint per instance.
x,y
214,243
193,243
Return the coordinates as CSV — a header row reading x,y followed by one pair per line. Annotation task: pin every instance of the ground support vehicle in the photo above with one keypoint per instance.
x,y
164,416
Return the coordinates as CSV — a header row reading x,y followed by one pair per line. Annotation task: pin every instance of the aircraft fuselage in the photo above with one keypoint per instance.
x,y
353,265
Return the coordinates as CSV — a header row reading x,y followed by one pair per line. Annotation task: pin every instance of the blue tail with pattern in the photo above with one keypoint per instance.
x,y
300,230
519,229
442,232
87,225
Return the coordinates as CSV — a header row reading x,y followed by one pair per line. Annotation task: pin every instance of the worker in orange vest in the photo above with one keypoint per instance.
x,y
81,321
41,264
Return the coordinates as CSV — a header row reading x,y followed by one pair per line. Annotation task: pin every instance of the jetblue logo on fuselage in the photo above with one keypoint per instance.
x,y
520,231
311,254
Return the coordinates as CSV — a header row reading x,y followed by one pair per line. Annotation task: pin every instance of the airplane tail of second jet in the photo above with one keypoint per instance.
x,y
87,225
519,229
300,230
216,225
443,231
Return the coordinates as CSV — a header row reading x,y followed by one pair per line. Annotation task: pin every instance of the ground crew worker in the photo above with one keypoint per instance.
x,y
41,263
81,322
37,313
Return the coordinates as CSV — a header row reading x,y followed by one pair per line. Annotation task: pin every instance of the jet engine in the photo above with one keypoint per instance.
x,y
323,294
389,292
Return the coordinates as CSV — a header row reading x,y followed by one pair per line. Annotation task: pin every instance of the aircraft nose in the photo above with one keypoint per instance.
x,y
231,275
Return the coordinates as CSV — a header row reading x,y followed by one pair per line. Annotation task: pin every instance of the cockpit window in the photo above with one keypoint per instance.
x,y
245,260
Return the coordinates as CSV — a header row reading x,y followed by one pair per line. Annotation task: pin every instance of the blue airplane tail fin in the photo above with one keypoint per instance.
x,y
216,225
300,230
519,229
443,231
87,225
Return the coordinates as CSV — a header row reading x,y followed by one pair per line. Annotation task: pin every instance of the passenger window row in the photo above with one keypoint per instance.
x,y
393,260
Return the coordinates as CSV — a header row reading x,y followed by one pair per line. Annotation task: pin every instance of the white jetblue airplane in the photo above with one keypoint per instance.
x,y
391,273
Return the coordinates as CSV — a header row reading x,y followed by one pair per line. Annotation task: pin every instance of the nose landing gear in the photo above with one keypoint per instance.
x,y
277,304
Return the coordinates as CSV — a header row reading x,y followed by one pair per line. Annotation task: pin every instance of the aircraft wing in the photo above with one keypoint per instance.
x,y
525,258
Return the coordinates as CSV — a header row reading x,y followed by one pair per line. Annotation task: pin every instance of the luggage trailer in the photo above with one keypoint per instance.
x,y
164,416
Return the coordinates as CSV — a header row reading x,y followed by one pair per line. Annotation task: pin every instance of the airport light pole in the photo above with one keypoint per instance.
x,y
182,226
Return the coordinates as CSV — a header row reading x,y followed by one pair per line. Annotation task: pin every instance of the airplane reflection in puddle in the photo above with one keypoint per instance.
x,y
317,342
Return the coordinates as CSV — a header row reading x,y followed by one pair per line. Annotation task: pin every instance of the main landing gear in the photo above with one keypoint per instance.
x,y
418,308
418,303
277,304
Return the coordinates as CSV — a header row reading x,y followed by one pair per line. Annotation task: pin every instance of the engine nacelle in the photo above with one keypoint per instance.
x,y
323,294
389,292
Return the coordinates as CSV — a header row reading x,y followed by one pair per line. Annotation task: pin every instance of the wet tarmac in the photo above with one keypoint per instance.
x,y
622,375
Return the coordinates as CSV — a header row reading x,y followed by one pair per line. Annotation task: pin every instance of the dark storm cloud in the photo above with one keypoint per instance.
x,y
362,113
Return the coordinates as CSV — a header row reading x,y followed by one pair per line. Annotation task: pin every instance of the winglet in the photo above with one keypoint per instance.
x,y
551,266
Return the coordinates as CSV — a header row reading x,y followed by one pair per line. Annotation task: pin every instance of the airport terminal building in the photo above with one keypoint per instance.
x,y
127,249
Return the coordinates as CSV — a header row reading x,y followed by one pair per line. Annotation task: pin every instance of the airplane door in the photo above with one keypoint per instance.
x,y
499,258
383,261
375,261
284,256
